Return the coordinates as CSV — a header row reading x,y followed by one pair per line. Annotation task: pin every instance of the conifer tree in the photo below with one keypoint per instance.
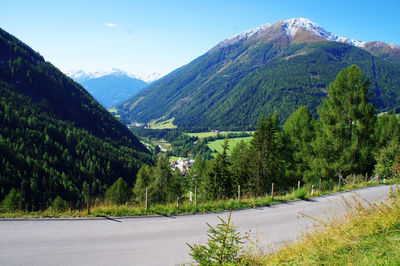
x,y
264,153
240,165
218,183
142,182
345,140
300,131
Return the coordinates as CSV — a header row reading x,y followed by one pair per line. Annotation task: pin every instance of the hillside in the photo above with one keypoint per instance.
x,y
55,139
274,67
111,88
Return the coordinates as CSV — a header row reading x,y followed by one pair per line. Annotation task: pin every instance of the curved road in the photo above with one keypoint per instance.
x,y
157,240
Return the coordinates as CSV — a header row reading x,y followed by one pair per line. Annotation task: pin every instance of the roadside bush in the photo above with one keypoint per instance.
x,y
11,201
59,204
222,247
118,193
301,193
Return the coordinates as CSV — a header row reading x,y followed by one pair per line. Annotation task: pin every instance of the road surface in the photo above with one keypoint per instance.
x,y
159,240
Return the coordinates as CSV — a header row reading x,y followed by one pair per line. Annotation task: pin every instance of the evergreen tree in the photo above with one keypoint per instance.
x,y
240,165
143,180
300,130
195,173
264,152
218,182
175,188
119,192
345,141
387,128
11,201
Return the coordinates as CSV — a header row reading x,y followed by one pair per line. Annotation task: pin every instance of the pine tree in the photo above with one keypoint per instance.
x,y
300,131
240,165
347,119
119,192
142,182
195,173
265,154
218,181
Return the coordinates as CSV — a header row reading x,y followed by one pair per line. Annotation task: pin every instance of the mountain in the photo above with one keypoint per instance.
x,y
55,139
275,67
109,87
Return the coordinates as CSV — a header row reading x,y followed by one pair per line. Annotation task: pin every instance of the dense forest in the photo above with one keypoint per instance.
x,y
55,139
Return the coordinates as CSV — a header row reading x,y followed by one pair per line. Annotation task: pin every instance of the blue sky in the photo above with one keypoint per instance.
x,y
158,36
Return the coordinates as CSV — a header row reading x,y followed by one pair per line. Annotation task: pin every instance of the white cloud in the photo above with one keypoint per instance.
x,y
111,25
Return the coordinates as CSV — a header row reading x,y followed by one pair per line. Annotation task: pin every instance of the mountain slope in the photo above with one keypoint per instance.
x,y
55,139
271,68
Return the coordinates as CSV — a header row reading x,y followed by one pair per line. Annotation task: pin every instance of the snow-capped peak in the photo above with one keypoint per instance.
x,y
245,35
394,46
81,75
290,27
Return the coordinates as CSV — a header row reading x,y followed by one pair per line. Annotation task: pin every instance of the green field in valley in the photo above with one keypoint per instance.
x,y
217,144
161,123
202,135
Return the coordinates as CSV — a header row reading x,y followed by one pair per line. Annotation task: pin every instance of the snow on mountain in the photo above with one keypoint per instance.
x,y
290,27
245,35
82,76
78,75
149,77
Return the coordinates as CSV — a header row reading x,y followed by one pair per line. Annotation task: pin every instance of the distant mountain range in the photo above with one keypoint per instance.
x,y
275,67
113,86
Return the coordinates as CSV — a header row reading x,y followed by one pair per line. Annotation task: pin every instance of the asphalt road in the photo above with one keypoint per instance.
x,y
157,240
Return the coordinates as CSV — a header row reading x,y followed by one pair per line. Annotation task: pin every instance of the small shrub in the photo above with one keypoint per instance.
x,y
222,246
118,193
11,201
59,204
301,193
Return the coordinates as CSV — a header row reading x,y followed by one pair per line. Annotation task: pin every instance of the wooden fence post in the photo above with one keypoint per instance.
x,y
354,179
88,198
340,179
195,196
312,190
146,200
239,193
21,191
272,191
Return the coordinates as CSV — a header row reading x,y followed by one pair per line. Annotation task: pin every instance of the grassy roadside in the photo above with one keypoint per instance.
x,y
365,236
103,209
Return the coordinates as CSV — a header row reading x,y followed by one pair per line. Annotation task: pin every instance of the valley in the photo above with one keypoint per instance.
x,y
266,122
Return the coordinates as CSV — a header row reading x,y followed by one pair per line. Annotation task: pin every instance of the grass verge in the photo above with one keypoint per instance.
x,y
102,209
368,234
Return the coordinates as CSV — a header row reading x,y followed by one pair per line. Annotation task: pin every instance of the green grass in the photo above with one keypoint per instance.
x,y
217,144
161,123
202,135
369,234
175,158
105,209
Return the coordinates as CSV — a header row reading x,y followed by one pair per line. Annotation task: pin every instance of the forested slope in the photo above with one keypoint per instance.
x,y
230,86
55,139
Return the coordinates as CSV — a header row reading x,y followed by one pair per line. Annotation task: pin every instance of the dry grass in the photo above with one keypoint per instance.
x,y
368,234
